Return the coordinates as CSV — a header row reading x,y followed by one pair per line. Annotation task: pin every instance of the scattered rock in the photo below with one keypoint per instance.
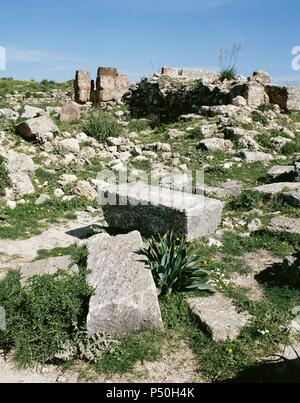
x,y
84,189
70,145
257,156
275,188
70,113
283,224
219,317
34,128
215,144
42,199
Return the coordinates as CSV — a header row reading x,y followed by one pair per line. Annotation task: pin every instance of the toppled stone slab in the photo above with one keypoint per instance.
x,y
48,266
284,225
256,156
279,171
288,98
34,128
31,112
156,210
219,317
82,86
125,297
275,188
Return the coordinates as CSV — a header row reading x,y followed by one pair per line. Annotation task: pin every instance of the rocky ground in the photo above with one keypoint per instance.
x,y
48,207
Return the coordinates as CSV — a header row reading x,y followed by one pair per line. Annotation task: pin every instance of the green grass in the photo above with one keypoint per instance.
x,y
41,318
265,107
29,87
101,125
259,118
4,178
228,74
138,347
28,219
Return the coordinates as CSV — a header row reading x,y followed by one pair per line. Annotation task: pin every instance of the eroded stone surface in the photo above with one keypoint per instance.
x,y
219,316
125,297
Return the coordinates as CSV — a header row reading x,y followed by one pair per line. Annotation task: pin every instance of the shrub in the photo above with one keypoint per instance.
x,y
101,125
44,315
248,200
228,74
4,178
265,107
228,61
173,266
259,118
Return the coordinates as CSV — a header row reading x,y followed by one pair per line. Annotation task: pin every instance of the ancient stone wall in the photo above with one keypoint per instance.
x,y
207,76
82,86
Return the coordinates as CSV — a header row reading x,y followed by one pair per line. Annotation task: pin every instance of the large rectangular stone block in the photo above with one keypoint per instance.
x,y
82,86
155,210
110,86
190,74
125,297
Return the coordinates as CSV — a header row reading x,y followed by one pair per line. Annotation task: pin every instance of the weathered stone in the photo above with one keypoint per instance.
x,y
155,210
219,317
248,143
226,189
253,92
70,145
208,131
297,171
293,198
262,77
275,188
31,112
84,189
256,156
33,128
207,76
88,152
279,171
83,86
239,101
288,98
279,142
47,266
174,133
110,85
70,113
254,225
285,225
236,132
8,113
215,144
20,167
125,298
42,199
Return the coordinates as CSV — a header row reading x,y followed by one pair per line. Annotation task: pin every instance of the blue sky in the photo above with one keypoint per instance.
x,y
52,38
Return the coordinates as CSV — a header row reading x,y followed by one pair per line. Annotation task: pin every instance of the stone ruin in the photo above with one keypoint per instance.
x,y
110,86
208,76
177,92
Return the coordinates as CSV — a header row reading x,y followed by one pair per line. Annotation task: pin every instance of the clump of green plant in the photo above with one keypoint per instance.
x,y
101,126
228,60
259,118
4,178
265,107
174,266
248,200
291,148
43,315
138,125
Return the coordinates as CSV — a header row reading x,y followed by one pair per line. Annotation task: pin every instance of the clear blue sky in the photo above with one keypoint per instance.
x,y
52,38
